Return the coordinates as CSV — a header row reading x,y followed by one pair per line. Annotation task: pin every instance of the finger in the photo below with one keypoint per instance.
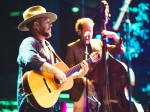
x,y
60,82
84,63
63,80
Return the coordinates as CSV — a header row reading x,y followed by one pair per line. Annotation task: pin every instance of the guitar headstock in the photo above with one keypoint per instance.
x,y
95,56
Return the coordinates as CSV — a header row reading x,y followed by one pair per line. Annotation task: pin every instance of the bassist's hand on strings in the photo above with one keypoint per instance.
x,y
117,39
110,34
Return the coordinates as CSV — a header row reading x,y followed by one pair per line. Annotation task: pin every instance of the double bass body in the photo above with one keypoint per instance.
x,y
111,93
110,77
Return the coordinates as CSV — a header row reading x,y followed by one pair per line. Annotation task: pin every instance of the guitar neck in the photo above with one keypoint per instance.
x,y
76,68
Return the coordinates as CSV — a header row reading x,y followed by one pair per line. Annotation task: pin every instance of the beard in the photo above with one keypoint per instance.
x,y
46,34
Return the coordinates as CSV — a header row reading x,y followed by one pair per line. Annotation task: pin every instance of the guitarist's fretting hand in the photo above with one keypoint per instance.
x,y
84,69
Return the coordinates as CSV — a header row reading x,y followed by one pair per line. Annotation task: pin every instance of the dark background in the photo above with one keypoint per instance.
x,y
62,33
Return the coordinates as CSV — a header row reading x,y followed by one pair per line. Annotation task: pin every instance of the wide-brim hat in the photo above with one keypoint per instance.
x,y
35,12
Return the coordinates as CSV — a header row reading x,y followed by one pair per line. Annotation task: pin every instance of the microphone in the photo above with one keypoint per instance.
x,y
86,34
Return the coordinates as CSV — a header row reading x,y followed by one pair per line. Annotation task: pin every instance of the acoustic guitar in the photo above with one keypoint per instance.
x,y
43,89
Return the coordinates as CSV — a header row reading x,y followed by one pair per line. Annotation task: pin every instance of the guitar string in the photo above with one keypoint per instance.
x,y
76,68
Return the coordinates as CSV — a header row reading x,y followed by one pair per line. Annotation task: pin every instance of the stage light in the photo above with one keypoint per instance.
x,y
17,13
64,95
14,13
98,36
75,9
147,88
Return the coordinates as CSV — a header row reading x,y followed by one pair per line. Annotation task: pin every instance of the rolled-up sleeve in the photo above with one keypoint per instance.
x,y
29,54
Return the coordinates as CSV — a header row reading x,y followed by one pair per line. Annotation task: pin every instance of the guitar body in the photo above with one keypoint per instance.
x,y
41,88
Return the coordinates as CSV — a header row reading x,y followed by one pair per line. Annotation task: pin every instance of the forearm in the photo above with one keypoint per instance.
x,y
120,45
122,48
116,37
116,49
46,67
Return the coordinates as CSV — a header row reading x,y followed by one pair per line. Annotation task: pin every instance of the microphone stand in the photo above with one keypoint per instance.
x,y
95,100
127,21
86,57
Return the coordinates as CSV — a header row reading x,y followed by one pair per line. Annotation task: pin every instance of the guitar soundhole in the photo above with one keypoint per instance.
x,y
56,80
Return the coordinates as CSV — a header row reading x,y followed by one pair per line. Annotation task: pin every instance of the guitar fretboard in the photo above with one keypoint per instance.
x,y
76,68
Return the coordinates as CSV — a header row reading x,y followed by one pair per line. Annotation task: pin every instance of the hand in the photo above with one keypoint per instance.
x,y
84,69
60,76
110,34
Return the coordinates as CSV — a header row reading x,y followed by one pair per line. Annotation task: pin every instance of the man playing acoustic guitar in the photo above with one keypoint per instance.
x,y
36,53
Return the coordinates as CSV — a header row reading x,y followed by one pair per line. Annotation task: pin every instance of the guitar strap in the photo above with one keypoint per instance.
x,y
59,59
52,50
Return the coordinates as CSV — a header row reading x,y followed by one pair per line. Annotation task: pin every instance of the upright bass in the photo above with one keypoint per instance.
x,y
110,78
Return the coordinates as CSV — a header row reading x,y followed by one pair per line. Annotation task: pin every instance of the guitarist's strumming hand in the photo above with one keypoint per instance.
x,y
59,75
84,69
